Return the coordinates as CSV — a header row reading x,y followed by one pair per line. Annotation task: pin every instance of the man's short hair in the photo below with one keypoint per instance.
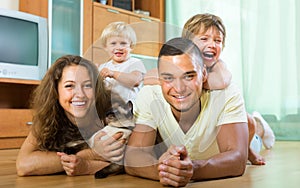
x,y
180,46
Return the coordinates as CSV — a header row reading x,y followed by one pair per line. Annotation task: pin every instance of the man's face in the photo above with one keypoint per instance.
x,y
181,81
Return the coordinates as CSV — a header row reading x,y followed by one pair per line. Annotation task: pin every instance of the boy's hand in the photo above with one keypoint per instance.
x,y
105,72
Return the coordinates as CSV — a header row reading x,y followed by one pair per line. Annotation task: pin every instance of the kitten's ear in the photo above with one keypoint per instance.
x,y
130,106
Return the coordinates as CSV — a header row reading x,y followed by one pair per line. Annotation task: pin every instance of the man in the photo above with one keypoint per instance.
x,y
205,131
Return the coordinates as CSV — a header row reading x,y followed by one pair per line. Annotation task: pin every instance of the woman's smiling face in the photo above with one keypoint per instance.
x,y
75,91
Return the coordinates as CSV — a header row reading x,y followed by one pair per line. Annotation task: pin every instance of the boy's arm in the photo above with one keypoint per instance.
x,y
140,159
132,79
219,77
231,161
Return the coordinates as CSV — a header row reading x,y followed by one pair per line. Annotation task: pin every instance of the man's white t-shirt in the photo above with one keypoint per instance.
x,y
218,107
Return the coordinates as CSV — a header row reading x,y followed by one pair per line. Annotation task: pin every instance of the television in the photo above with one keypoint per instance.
x,y
23,45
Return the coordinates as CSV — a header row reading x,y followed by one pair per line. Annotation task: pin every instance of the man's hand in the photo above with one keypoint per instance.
x,y
175,167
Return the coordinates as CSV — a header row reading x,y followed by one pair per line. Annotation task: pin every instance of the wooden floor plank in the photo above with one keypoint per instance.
x,y
282,170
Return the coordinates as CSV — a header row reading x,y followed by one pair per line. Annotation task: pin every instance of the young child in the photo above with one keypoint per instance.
x,y
208,32
123,74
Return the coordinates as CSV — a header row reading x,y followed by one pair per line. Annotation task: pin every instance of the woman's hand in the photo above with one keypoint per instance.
x,y
175,167
73,164
109,148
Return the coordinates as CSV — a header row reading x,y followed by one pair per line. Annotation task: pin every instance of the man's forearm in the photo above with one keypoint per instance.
x,y
149,172
141,164
228,164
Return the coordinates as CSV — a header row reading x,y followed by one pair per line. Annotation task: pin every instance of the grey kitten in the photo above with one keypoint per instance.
x,y
119,119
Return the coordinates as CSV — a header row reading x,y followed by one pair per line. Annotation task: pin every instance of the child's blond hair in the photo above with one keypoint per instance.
x,y
194,24
118,29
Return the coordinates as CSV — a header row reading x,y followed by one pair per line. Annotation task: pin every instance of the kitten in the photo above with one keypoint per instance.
x,y
74,146
118,119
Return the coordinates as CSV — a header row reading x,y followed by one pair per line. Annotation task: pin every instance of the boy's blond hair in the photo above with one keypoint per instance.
x,y
194,24
118,29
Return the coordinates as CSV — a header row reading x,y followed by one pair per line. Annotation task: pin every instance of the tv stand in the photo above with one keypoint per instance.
x,y
15,112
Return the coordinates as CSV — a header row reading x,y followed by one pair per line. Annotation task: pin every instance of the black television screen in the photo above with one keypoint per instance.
x,y
18,41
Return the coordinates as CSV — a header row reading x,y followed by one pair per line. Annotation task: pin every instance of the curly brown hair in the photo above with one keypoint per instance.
x,y
51,127
194,24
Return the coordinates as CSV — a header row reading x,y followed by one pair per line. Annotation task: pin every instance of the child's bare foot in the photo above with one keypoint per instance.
x,y
255,158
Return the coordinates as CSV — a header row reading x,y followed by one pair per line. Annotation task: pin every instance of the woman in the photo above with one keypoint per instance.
x,y
69,106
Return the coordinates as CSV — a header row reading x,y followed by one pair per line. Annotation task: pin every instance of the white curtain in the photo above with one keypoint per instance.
x,y
262,48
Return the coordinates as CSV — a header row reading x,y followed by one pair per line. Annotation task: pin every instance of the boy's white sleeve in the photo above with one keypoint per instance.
x,y
138,66
101,67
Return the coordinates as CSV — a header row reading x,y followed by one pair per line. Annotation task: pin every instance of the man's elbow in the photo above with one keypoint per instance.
x,y
129,163
240,170
240,164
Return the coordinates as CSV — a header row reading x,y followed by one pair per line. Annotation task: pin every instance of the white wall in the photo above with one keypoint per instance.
x,y
9,4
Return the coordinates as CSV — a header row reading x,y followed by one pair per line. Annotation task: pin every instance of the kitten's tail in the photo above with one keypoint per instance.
x,y
112,169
